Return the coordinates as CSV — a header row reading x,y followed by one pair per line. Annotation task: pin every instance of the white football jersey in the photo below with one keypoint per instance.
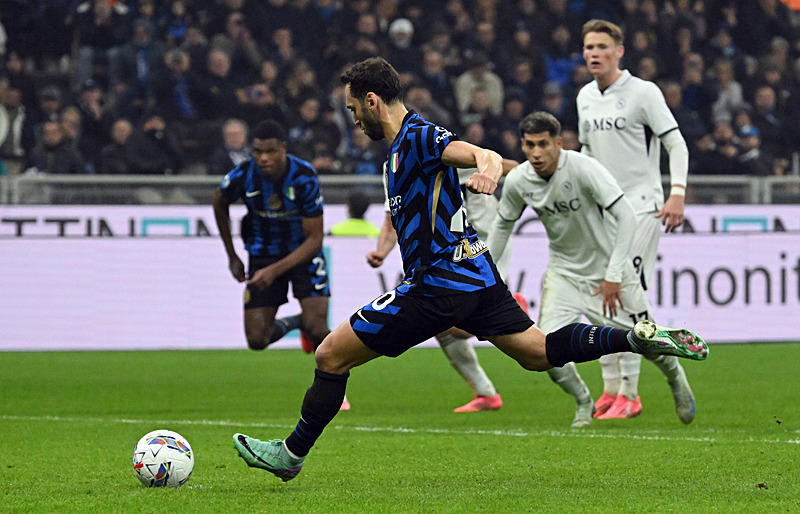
x,y
620,126
570,207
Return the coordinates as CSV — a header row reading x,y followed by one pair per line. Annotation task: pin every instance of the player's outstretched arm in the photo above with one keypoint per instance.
x,y
461,154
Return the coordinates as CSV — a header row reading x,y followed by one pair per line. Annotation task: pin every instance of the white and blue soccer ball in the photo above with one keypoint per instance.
x,y
163,458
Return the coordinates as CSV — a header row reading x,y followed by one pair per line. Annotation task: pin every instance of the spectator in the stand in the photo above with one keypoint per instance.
x,y
19,79
480,112
698,95
259,101
70,121
422,101
12,118
260,17
579,78
118,157
300,83
647,69
692,128
484,40
770,122
742,118
435,79
718,152
97,117
478,75
639,49
773,74
515,108
102,27
530,13
239,44
133,72
760,18
793,106
558,13
730,94
156,149
52,154
459,21
681,48
555,103
174,24
524,79
561,57
218,96
523,47
753,160
569,139
49,109
441,40
312,132
234,148
721,45
196,44
401,51
177,91
283,52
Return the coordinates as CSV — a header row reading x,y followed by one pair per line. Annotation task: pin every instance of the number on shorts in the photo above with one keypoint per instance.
x,y
638,316
319,262
383,300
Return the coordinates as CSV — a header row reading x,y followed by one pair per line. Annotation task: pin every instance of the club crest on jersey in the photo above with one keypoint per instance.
x,y
275,202
621,103
394,163
469,251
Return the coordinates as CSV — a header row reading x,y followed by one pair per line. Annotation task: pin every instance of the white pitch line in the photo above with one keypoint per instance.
x,y
581,434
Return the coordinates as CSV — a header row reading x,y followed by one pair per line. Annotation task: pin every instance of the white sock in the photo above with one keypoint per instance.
x,y
463,358
669,366
630,365
292,455
609,365
570,381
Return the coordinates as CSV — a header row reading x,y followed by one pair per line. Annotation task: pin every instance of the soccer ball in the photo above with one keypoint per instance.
x,y
163,458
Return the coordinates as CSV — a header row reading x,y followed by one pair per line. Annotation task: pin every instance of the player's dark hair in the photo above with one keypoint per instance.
x,y
373,75
609,28
269,129
357,203
538,122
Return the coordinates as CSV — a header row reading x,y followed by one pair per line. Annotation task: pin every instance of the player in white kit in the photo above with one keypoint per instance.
x,y
623,120
589,272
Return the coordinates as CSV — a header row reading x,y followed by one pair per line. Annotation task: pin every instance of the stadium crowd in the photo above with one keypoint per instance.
x,y
169,86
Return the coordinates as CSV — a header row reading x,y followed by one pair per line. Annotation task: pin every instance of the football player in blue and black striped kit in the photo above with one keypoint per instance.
x,y
450,278
283,233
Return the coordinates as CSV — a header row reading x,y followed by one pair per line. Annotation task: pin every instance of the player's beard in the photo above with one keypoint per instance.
x,y
372,127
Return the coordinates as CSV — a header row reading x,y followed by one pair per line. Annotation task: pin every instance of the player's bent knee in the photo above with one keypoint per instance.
x,y
256,344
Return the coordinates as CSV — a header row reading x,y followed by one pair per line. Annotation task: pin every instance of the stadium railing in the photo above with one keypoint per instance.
x,y
40,189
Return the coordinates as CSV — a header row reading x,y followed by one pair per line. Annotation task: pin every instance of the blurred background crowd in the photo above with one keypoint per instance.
x,y
171,86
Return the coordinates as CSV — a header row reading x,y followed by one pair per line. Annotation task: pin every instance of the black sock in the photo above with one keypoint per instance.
x,y
320,405
283,326
580,342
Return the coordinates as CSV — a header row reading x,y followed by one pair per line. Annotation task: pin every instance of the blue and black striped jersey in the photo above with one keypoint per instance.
x,y
441,252
276,209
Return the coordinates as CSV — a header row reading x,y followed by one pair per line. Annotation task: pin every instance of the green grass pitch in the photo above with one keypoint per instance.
x,y
69,422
